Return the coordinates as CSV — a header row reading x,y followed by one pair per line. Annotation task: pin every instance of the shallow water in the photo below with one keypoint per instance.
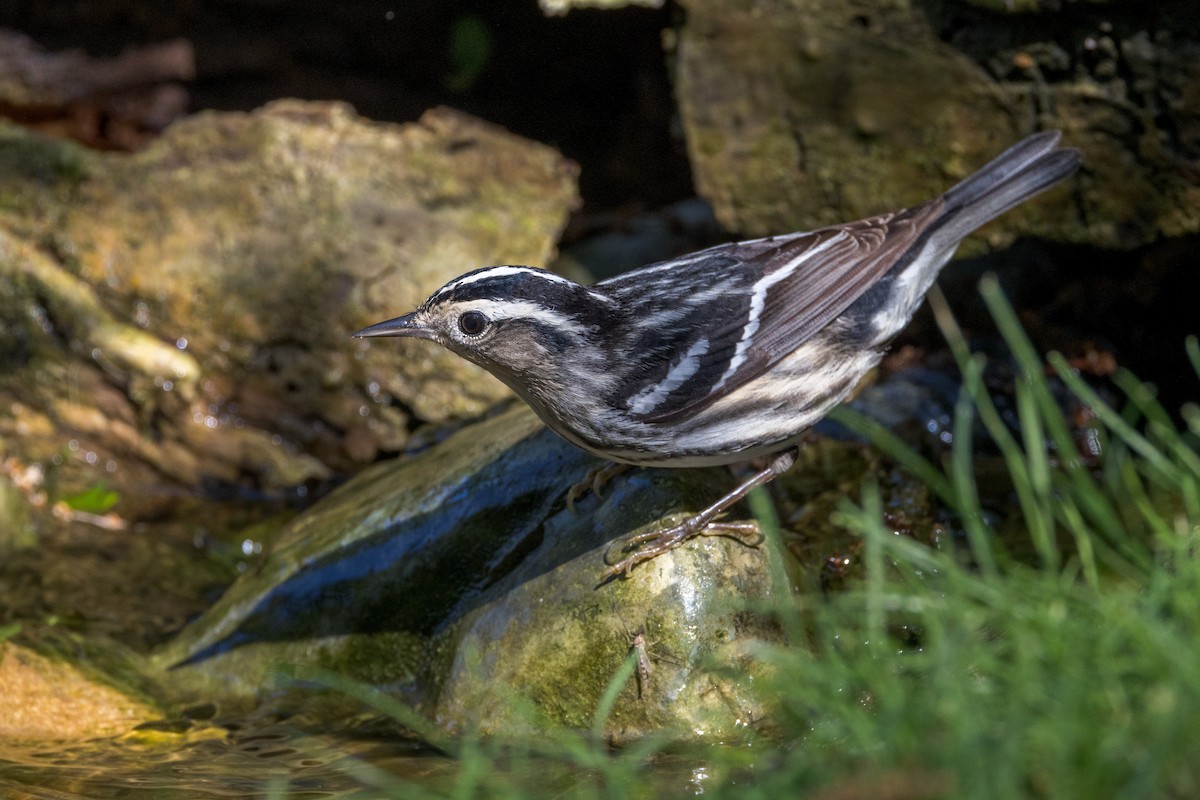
x,y
271,761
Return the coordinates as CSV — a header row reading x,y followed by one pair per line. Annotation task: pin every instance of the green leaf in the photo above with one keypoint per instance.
x,y
471,46
96,499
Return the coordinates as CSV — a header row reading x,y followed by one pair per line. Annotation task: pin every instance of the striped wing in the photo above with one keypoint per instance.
x,y
778,293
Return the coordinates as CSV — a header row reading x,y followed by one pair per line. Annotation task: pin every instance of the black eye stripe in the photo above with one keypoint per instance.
x,y
472,323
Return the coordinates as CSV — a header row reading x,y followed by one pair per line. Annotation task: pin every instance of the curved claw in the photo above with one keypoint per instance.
x,y
573,495
595,480
654,543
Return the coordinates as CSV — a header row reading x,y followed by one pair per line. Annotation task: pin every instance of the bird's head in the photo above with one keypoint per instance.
x,y
519,323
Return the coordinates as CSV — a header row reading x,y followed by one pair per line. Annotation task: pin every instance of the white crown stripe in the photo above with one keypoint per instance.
x,y
502,272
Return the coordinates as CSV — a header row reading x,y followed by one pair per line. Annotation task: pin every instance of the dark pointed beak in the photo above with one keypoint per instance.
x,y
400,326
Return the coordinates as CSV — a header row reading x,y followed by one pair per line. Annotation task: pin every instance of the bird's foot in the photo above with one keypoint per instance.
x,y
594,482
646,546
654,544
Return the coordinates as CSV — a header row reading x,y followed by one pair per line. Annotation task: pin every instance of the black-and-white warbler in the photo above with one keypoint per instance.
x,y
726,354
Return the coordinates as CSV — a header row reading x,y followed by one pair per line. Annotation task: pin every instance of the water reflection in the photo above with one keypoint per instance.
x,y
219,760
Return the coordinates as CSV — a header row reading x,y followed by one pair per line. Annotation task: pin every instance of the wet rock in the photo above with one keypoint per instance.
x,y
183,314
47,700
459,578
135,587
554,639
812,114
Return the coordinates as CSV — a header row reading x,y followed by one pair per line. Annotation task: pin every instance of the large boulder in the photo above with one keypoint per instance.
x,y
807,113
460,580
182,314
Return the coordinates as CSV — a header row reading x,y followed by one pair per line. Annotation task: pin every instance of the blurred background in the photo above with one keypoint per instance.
x,y
200,201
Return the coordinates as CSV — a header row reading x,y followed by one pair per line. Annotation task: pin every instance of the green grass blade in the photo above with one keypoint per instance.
x,y
1111,419
980,538
1094,505
1034,499
777,559
375,698
608,700
898,450
1031,472
874,537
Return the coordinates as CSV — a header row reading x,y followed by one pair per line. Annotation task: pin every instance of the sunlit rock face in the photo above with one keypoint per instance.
x,y
182,314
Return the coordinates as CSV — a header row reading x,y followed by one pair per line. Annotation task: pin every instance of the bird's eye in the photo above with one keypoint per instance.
x,y
472,323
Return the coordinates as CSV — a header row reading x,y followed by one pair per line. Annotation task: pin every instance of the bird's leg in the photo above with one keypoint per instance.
x,y
748,533
655,543
594,481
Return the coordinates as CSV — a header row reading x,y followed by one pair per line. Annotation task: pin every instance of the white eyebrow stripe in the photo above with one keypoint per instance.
x,y
758,300
522,309
653,396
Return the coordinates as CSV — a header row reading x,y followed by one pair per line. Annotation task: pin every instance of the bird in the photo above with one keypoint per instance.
x,y
724,355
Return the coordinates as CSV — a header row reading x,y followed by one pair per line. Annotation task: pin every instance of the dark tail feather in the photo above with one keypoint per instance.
x,y
1030,166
